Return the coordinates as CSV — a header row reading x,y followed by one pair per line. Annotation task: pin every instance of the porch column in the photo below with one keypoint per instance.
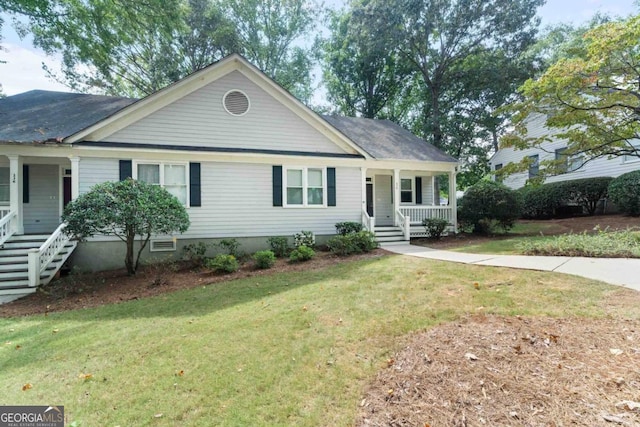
x,y
453,202
396,194
363,172
75,177
15,192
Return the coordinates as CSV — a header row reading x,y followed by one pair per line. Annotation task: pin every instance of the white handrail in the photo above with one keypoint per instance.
x,y
39,259
419,213
368,222
404,222
6,225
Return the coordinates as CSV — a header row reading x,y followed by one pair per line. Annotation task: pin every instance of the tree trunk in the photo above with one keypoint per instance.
x,y
128,260
436,128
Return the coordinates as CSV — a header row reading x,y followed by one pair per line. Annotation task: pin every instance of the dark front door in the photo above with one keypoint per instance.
x,y
66,190
370,198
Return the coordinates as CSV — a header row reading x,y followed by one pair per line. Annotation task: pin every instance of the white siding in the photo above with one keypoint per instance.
x,y
237,200
42,213
383,204
599,167
199,119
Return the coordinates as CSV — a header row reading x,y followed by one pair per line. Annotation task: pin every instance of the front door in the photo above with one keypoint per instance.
x,y
370,198
383,205
41,198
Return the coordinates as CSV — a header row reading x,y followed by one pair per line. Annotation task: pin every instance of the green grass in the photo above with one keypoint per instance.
x,y
287,349
500,245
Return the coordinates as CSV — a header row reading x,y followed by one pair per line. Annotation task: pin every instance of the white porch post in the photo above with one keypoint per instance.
x,y
15,193
453,202
396,195
75,177
363,172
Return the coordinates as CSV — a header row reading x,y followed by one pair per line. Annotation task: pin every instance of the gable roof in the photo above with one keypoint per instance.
x,y
40,115
384,139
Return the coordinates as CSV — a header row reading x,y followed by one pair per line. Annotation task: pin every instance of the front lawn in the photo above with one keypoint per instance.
x,y
295,348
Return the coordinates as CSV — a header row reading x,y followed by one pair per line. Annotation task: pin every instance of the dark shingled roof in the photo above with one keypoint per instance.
x,y
41,115
383,139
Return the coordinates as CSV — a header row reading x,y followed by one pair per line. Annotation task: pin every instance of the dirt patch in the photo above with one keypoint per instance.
x,y
512,371
551,227
109,287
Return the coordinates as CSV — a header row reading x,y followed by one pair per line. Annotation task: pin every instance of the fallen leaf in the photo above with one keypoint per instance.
x,y
18,347
470,356
180,373
55,331
390,362
27,386
629,405
85,377
158,416
616,351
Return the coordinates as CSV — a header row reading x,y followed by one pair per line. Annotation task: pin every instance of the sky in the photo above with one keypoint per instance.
x,y
23,68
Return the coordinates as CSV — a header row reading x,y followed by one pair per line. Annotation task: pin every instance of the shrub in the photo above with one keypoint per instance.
x,y
489,203
348,227
615,244
540,201
224,263
304,238
354,243
264,259
586,192
195,253
279,246
435,227
230,246
301,253
624,191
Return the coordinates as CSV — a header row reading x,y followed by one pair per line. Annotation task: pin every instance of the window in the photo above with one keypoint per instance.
x,y
497,167
173,177
406,190
534,166
4,185
631,158
305,186
568,163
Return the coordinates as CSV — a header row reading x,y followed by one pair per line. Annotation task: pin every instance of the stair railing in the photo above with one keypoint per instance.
x,y
368,222
39,259
6,225
404,222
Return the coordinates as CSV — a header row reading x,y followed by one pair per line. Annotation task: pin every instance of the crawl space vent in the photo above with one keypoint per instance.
x,y
162,245
236,103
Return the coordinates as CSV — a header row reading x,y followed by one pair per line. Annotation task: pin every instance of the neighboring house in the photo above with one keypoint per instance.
x,y
554,150
245,157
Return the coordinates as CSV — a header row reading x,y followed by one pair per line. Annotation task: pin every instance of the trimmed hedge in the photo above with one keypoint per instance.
x,y
548,200
489,203
353,243
624,191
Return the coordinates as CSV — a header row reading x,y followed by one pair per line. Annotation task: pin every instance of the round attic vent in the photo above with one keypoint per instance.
x,y
236,102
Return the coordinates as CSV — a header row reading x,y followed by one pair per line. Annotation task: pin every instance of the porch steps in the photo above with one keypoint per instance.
x,y
389,234
14,276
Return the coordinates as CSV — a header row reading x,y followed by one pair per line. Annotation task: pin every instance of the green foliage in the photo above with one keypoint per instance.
x,y
264,259
279,246
126,209
489,203
435,227
586,192
304,238
223,263
540,201
352,243
231,247
602,244
301,253
588,98
348,227
624,191
195,253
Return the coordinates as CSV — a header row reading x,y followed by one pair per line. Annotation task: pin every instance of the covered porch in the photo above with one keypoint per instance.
x,y
396,201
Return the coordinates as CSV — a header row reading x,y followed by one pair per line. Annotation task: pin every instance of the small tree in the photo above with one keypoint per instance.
x,y
487,203
126,209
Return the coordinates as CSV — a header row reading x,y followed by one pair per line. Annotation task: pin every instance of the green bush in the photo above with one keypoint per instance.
x,y
301,253
615,244
354,243
264,259
224,263
279,246
586,192
348,227
540,201
195,253
231,247
488,203
624,191
304,238
435,227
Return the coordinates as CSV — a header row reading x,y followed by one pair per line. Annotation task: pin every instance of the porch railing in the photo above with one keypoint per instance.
x,y
6,224
404,222
368,222
40,258
419,213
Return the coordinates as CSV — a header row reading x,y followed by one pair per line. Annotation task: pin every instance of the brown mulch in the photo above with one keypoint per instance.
x,y
109,287
555,226
511,371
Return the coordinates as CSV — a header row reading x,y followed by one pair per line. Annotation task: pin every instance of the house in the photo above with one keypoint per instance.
x,y
246,158
574,166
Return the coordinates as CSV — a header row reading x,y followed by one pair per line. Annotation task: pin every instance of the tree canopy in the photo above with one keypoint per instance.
x,y
590,99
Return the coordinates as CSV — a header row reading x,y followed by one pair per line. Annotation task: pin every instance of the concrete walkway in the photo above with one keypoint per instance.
x,y
617,271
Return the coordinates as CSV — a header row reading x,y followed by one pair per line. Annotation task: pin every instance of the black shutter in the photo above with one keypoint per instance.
x,y
194,185
418,190
25,183
126,169
331,186
277,186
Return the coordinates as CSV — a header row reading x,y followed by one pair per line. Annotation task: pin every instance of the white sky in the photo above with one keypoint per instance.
x,y
23,68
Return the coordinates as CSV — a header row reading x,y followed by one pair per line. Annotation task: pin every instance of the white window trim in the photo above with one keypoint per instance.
x,y
161,165
305,187
413,191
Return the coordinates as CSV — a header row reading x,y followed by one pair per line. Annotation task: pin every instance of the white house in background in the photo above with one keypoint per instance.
x,y
246,158
554,150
